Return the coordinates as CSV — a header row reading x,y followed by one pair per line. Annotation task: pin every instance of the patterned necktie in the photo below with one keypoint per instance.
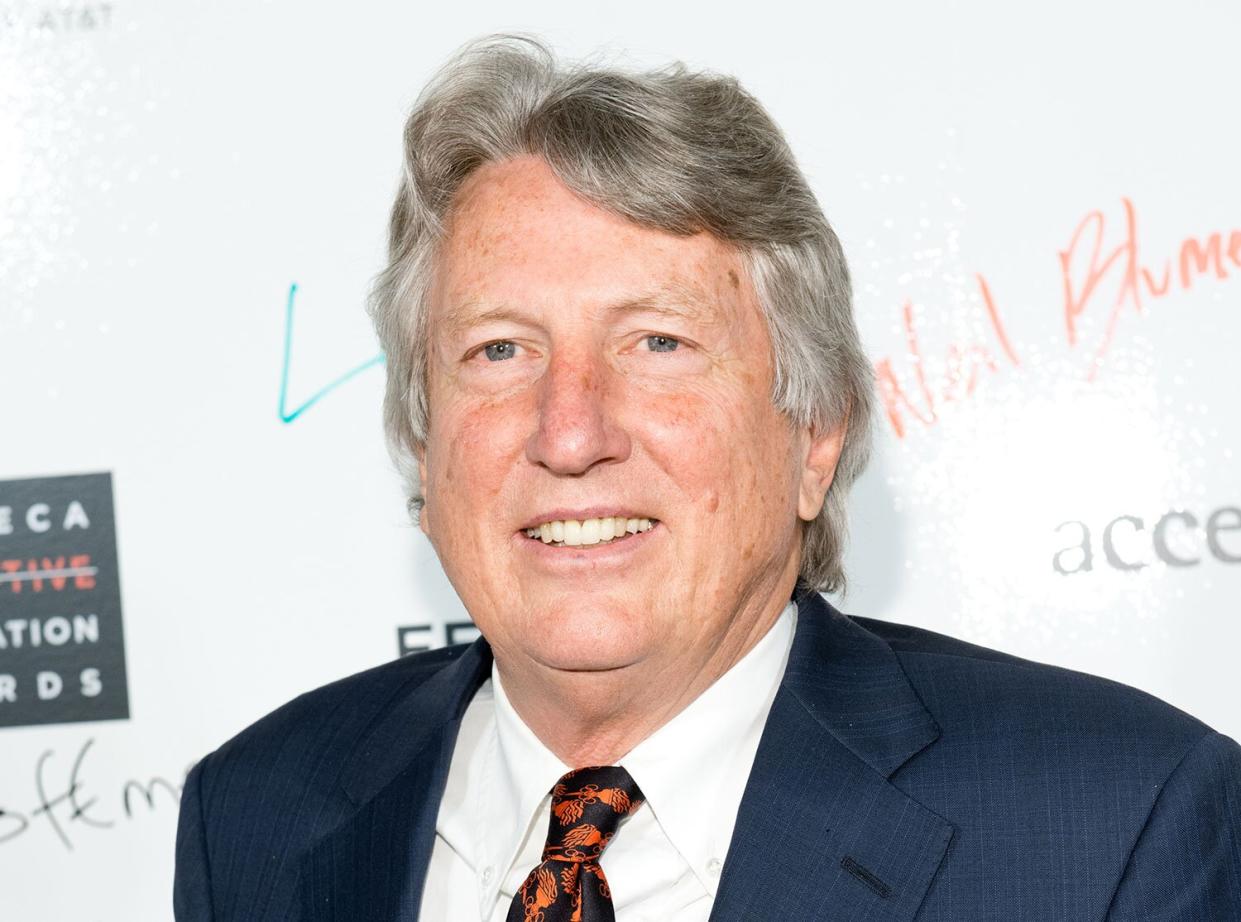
x,y
588,805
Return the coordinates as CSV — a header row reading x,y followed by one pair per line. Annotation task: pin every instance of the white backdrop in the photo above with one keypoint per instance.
x,y
1010,188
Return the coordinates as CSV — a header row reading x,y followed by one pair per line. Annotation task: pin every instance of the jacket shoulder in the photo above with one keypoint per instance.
x,y
303,745
1060,774
256,804
1000,693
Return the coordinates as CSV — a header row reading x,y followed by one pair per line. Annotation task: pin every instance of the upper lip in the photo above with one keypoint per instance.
x,y
590,512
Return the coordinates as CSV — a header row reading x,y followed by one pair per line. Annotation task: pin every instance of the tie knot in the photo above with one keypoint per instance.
x,y
588,805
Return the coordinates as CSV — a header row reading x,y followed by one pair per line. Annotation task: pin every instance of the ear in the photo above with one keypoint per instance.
x,y
420,452
819,468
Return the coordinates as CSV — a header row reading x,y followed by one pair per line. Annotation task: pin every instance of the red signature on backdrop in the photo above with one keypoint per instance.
x,y
1100,276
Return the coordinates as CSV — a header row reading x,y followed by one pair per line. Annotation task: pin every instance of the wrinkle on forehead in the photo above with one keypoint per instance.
x,y
502,204
673,299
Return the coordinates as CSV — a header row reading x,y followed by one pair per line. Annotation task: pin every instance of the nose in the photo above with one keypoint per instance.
x,y
578,427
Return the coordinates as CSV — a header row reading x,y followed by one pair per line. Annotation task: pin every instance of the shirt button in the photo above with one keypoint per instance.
x,y
487,872
714,866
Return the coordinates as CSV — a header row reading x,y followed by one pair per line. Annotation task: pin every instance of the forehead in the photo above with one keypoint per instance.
x,y
518,236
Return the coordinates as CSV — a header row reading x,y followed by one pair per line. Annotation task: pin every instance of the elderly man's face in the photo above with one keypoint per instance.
x,y
583,367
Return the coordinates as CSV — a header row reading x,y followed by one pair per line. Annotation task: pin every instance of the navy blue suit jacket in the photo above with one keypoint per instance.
x,y
902,775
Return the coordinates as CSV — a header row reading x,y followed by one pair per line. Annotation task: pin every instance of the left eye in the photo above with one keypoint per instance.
x,y
499,351
662,343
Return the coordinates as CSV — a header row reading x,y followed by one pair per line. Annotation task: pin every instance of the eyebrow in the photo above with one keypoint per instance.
x,y
463,316
672,300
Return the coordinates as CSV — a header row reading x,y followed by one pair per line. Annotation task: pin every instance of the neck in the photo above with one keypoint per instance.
x,y
596,717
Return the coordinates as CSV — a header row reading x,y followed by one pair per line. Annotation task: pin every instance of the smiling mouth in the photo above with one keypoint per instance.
x,y
588,532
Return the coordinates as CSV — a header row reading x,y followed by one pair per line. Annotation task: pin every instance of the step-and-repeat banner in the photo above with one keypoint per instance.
x,y
198,519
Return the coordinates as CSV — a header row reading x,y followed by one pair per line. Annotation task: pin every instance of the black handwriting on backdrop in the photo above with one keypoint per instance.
x,y
65,802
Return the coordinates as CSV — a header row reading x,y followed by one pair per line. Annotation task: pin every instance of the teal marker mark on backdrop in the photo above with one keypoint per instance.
x,y
286,415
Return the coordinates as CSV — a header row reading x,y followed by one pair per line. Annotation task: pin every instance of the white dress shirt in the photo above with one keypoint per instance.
x,y
665,861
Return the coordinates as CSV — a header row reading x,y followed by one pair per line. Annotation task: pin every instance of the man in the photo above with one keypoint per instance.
x,y
626,389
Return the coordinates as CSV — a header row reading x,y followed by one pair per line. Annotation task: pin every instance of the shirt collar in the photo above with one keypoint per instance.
x,y
692,770
526,769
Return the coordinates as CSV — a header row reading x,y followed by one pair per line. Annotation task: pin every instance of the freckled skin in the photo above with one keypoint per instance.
x,y
584,411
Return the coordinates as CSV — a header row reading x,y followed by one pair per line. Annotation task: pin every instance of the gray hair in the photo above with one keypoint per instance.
x,y
670,149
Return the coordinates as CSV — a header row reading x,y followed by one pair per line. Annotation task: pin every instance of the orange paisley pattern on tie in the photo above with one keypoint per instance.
x,y
588,805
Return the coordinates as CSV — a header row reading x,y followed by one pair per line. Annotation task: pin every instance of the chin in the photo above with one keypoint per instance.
x,y
587,660
582,643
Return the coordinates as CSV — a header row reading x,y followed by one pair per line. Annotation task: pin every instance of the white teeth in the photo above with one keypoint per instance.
x,y
576,533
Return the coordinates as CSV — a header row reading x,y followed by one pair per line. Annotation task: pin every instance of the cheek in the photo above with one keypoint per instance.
x,y
476,446
729,457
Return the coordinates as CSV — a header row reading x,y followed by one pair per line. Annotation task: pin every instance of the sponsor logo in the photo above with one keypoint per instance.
x,y
64,800
56,18
1177,538
62,651
414,638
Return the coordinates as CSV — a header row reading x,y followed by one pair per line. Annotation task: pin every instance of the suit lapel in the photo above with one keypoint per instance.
x,y
821,833
372,868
